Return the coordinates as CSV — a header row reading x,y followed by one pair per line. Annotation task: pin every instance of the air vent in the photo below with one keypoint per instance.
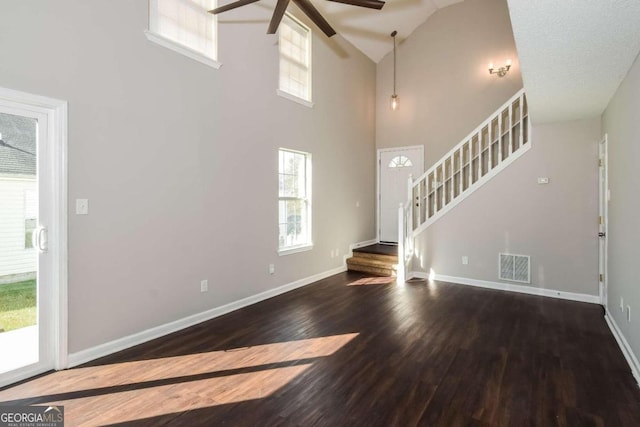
x,y
515,268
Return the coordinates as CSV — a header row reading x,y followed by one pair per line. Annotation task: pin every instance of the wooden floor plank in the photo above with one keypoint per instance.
x,y
376,354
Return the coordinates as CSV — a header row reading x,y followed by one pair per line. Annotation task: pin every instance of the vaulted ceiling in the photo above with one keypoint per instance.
x,y
572,54
369,30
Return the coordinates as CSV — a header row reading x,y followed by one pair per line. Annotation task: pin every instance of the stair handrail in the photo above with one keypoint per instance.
x,y
464,140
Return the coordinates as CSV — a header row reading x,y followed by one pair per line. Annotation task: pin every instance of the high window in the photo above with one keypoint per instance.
x,y
295,60
186,27
294,201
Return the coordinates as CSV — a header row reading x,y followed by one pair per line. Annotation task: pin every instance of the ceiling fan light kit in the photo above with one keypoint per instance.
x,y
306,7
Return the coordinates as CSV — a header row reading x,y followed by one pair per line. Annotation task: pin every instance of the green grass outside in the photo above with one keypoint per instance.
x,y
18,305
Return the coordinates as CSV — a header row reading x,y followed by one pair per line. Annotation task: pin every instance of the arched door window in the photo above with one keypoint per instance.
x,y
400,162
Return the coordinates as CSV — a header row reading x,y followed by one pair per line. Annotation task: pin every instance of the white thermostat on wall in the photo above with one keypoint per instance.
x,y
543,180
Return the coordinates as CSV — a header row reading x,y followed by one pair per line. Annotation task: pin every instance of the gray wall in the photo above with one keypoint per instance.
x,y
620,122
554,223
179,160
442,79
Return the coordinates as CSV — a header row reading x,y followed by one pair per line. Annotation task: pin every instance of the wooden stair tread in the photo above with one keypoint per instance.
x,y
392,259
371,262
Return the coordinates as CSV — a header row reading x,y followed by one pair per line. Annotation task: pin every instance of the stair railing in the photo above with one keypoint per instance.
x,y
405,233
492,146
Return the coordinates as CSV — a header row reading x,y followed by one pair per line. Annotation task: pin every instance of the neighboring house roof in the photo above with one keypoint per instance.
x,y
18,132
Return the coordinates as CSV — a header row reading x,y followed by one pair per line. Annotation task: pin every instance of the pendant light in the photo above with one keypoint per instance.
x,y
394,98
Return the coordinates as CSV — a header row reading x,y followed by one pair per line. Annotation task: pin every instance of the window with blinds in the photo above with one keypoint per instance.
x,y
295,58
185,26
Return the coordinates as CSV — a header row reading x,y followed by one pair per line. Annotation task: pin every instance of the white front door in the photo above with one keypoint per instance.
x,y
30,257
394,167
603,197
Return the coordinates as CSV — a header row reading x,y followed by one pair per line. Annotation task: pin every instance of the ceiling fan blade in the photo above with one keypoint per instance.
x,y
314,15
231,6
278,13
371,4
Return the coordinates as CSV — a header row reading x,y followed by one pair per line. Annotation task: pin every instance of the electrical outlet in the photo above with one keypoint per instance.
x,y
622,304
629,313
337,252
465,260
272,269
204,285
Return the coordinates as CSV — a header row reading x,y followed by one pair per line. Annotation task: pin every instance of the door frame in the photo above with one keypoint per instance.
x,y
603,212
378,176
57,134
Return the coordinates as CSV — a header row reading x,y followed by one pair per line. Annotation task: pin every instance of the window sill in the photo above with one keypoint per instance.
x,y
183,50
294,250
294,98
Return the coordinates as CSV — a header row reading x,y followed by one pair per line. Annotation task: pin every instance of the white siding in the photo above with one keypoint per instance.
x,y
14,258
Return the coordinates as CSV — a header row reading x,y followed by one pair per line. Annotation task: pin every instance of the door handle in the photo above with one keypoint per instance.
x,y
602,234
40,239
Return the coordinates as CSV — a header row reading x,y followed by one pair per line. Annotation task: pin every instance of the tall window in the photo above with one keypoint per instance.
x,y
185,26
295,58
294,200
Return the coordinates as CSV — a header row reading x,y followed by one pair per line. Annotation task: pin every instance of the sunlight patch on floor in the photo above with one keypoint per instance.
x,y
373,281
185,391
173,398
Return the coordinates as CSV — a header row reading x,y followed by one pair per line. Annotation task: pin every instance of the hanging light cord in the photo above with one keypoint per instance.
x,y
394,60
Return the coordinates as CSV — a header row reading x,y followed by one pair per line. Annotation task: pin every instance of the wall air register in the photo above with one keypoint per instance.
x,y
515,268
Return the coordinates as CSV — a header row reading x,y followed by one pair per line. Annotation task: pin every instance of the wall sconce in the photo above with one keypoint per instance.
x,y
502,71
394,98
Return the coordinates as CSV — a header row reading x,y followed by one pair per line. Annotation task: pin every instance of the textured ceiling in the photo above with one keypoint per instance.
x,y
574,54
369,30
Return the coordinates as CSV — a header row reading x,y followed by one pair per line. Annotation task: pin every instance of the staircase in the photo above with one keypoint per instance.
x,y
481,155
381,260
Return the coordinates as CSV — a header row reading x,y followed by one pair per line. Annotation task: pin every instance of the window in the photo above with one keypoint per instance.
x,y
400,162
295,60
294,201
30,217
186,27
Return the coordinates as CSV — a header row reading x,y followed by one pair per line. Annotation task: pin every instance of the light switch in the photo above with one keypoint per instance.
x,y
543,180
82,206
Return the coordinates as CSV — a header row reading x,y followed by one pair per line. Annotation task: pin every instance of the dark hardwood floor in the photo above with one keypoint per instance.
x,y
377,354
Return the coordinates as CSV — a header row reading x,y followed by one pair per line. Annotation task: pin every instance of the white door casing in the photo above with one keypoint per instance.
x,y
394,167
603,202
51,116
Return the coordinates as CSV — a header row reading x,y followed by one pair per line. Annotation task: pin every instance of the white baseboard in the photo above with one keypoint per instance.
x,y
632,360
530,290
362,244
105,349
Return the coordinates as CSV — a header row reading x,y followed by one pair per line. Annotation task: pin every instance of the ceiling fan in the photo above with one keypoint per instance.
x,y
305,6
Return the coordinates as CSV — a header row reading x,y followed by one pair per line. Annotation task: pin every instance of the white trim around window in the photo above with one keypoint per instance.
x,y
294,98
294,202
295,74
176,47
185,27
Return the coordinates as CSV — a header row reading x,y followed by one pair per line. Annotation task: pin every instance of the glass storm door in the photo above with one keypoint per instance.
x,y
26,336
